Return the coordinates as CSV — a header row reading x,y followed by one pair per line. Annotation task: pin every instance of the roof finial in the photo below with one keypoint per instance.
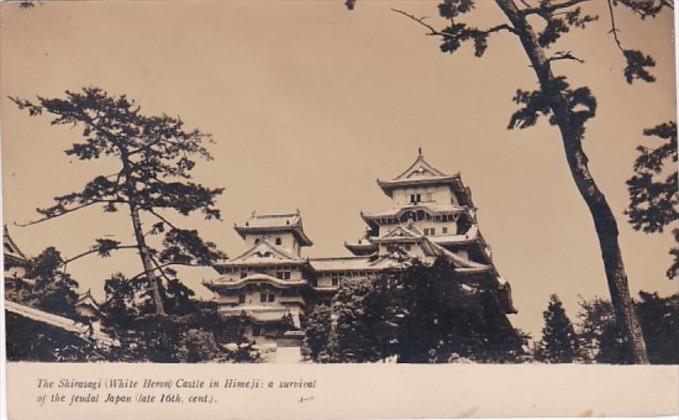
x,y
419,151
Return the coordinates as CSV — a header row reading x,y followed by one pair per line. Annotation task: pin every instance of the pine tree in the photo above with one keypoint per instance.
x,y
155,157
559,342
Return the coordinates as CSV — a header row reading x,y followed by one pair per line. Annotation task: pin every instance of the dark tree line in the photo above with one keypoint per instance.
x,y
594,337
192,331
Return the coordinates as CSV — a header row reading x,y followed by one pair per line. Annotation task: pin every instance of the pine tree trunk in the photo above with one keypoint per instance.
x,y
146,260
604,219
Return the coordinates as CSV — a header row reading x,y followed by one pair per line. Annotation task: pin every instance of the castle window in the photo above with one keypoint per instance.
x,y
272,297
256,330
243,274
432,231
262,297
445,230
241,298
278,241
283,275
335,280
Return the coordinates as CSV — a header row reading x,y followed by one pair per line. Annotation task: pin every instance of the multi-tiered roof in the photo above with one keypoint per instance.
x,y
432,216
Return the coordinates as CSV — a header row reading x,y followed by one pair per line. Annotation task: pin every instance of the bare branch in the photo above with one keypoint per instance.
x,y
159,267
435,32
614,29
565,55
162,219
432,30
546,9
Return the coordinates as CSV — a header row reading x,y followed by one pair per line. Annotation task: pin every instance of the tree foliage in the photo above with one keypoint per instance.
x,y
653,188
318,326
45,285
418,315
198,335
29,340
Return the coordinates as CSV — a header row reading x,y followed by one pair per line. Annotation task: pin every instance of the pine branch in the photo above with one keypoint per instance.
x,y
434,32
165,265
95,250
67,211
162,219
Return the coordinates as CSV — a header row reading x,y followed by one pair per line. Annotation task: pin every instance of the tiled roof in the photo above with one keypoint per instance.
x,y
471,235
225,282
340,263
57,321
398,211
10,249
275,222
420,168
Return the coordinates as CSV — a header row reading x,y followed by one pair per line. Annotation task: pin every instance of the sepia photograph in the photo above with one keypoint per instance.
x,y
384,183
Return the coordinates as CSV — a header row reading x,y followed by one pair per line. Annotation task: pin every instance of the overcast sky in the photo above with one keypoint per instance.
x,y
310,103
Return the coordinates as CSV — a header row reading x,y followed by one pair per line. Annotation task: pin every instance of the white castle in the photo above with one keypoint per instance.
x,y
274,285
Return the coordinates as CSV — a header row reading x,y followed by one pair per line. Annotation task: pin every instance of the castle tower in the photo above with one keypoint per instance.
x,y
432,215
268,282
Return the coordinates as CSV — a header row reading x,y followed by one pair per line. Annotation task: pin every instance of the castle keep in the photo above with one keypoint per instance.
x,y
432,215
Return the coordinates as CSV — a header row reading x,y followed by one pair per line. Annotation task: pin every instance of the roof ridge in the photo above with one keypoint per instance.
x,y
338,258
272,215
420,159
